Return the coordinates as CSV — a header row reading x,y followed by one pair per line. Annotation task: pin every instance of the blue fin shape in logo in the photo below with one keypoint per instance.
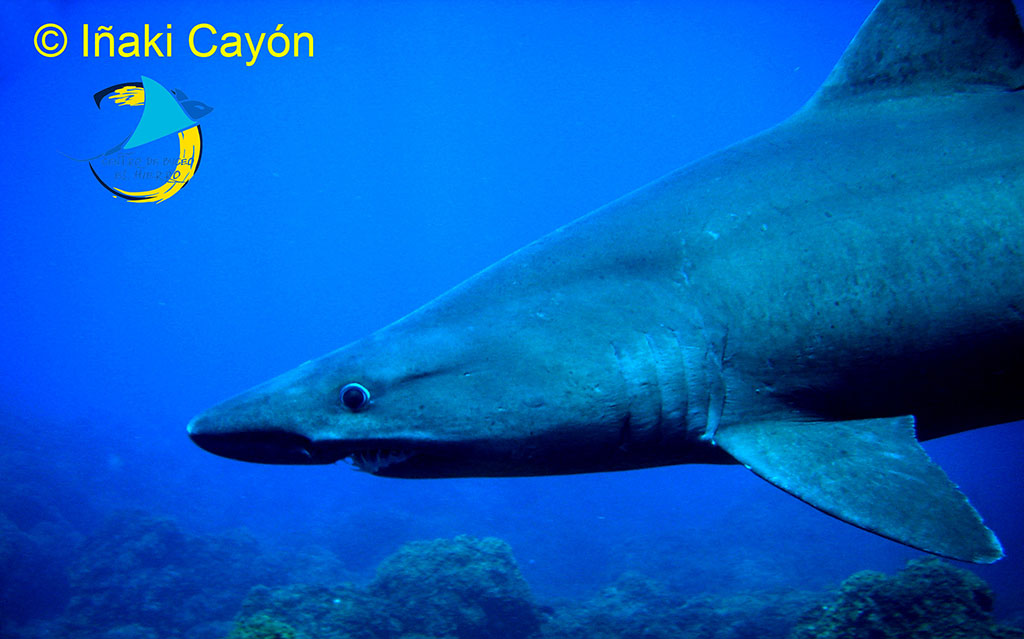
x,y
161,115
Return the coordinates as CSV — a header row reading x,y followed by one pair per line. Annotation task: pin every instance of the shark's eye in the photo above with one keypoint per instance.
x,y
355,397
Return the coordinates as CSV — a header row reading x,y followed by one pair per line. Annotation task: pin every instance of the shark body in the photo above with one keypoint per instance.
x,y
810,303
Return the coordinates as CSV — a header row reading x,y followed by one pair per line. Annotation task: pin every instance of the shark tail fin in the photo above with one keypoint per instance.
x,y
929,47
871,473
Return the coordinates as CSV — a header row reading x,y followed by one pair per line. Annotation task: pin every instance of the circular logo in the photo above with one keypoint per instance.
x,y
163,151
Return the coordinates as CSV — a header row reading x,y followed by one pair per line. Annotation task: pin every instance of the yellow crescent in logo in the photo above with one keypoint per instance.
x,y
190,151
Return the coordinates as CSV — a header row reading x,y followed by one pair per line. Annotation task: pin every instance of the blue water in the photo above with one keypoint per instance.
x,y
421,142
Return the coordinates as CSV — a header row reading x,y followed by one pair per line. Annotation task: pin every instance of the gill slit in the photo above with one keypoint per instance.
x,y
626,429
655,360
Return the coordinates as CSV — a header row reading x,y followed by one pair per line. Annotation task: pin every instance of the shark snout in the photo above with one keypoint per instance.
x,y
259,446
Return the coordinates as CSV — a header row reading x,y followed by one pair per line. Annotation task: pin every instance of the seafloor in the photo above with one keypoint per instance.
x,y
141,577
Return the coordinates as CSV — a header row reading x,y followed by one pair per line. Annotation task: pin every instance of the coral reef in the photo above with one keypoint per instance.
x,y
635,606
142,577
141,572
310,612
468,588
262,627
463,588
929,599
33,581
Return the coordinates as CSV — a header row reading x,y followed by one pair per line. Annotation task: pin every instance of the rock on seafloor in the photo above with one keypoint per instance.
x,y
462,588
929,599
635,606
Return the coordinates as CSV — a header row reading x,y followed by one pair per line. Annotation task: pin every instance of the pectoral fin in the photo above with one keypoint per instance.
x,y
871,473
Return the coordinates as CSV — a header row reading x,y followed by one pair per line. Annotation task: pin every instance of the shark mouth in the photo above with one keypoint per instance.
x,y
376,460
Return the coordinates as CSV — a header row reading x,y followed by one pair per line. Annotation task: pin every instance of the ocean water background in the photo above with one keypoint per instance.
x,y
422,142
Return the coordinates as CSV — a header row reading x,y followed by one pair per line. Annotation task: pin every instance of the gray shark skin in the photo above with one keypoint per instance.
x,y
804,303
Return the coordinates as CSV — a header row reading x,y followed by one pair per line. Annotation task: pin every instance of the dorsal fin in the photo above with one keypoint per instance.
x,y
930,47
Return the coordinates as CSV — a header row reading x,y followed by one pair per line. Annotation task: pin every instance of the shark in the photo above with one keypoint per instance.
x,y
811,303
